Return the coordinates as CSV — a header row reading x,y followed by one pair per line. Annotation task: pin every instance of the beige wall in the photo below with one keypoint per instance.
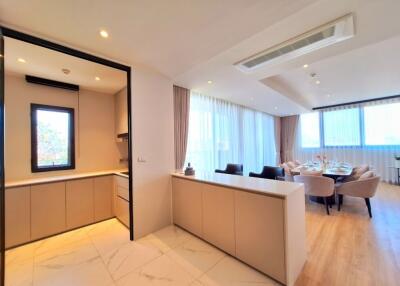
x,y
153,141
94,130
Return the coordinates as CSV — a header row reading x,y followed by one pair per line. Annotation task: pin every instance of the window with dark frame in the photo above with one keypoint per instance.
x,y
52,138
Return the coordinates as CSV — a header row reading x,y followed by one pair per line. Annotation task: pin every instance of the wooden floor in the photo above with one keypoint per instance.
x,y
349,248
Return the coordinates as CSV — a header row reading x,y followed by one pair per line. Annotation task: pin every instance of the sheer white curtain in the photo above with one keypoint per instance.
x,y
221,132
358,134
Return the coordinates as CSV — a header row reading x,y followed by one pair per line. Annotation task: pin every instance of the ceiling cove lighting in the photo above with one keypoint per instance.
x,y
21,60
97,78
104,33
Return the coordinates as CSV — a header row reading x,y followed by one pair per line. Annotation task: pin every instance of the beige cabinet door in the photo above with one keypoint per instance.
x,y
17,215
103,190
79,202
122,210
218,217
121,112
47,209
259,219
187,205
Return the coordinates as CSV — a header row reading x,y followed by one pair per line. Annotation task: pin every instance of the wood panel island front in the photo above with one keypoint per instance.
x,y
259,221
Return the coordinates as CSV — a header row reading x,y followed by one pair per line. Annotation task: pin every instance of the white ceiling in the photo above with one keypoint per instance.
x,y
192,42
45,63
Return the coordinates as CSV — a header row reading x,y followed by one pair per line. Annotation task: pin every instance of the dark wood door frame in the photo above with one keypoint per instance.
x,y
2,189
7,32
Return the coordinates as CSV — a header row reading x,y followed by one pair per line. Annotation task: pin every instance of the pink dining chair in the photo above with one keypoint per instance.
x,y
317,186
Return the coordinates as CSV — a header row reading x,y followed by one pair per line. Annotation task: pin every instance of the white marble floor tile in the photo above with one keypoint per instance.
x,y
167,238
129,257
89,272
19,273
110,240
161,272
231,272
196,256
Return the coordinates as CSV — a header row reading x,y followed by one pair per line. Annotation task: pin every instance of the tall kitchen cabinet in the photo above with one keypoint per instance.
x,y
121,112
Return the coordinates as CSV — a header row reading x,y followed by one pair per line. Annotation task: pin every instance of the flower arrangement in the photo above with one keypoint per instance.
x,y
322,159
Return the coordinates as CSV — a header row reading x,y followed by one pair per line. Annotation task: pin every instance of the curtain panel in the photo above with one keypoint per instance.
x,y
288,137
181,124
221,132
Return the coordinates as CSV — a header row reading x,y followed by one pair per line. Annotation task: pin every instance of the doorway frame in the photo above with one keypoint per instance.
x,y
11,33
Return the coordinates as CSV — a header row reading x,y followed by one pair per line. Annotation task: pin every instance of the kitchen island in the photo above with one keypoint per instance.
x,y
261,222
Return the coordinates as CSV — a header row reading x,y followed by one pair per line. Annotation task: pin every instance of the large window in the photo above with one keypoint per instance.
x,y
372,125
309,124
221,132
52,138
342,127
381,124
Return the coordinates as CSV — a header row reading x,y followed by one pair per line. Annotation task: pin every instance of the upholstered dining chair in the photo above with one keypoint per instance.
x,y
317,186
269,172
288,172
365,187
357,172
232,169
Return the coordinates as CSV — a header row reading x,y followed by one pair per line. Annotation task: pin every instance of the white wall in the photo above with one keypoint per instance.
x,y
95,146
153,140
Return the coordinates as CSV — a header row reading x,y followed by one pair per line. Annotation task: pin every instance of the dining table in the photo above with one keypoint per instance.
x,y
335,170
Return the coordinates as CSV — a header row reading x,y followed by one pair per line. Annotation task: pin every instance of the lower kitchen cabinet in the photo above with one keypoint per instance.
x,y
122,210
187,205
17,216
79,202
103,191
219,217
47,209
258,217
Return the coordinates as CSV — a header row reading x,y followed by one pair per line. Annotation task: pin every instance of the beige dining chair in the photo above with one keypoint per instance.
x,y
357,172
317,186
365,187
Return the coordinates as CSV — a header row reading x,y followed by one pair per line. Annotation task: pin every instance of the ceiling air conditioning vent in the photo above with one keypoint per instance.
x,y
323,36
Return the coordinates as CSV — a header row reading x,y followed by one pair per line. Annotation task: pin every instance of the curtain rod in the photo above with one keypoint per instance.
x,y
357,102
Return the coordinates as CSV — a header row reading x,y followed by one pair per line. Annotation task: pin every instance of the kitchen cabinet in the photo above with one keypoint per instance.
x,y
79,202
103,190
122,210
258,217
17,216
121,112
218,217
47,209
122,187
187,205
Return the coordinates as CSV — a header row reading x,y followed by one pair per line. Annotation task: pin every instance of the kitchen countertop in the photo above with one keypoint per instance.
x,y
36,181
256,185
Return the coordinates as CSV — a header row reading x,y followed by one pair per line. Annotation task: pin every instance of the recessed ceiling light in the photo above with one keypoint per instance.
x,y
276,108
21,60
66,71
210,82
97,78
251,98
104,33
317,82
328,95
305,66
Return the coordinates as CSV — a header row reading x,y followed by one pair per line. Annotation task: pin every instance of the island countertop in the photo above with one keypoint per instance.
x,y
256,185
